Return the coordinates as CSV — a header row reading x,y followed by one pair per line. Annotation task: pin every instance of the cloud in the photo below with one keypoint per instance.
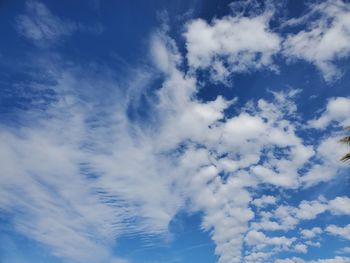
x,y
37,164
325,22
44,28
260,240
230,44
264,200
41,26
119,260
286,217
257,257
344,250
311,233
337,111
327,166
328,260
340,205
105,198
301,248
164,52
245,41
308,210
343,232
329,150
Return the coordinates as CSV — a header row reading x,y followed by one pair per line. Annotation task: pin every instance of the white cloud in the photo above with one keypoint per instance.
x,y
264,200
41,26
44,28
328,260
231,44
290,260
120,260
344,250
309,210
300,248
313,244
325,39
241,43
311,233
257,257
266,222
327,166
37,164
108,194
286,217
337,111
164,52
260,241
340,205
332,260
238,43
343,232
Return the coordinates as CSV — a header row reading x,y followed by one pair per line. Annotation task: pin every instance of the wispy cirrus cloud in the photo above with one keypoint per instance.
x,y
43,28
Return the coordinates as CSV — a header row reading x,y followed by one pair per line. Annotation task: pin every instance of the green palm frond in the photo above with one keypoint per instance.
x,y
346,157
345,140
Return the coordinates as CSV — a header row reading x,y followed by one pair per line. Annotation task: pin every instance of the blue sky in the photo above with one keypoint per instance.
x,y
174,131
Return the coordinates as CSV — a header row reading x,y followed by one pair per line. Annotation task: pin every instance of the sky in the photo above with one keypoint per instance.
x,y
174,131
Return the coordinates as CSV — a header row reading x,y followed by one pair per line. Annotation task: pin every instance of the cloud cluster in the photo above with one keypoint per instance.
x,y
241,43
336,259
325,38
286,218
88,174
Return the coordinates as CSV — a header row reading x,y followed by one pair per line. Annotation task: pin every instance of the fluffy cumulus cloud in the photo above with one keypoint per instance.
x,y
343,232
231,44
337,111
288,217
133,175
264,201
311,233
328,260
327,166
